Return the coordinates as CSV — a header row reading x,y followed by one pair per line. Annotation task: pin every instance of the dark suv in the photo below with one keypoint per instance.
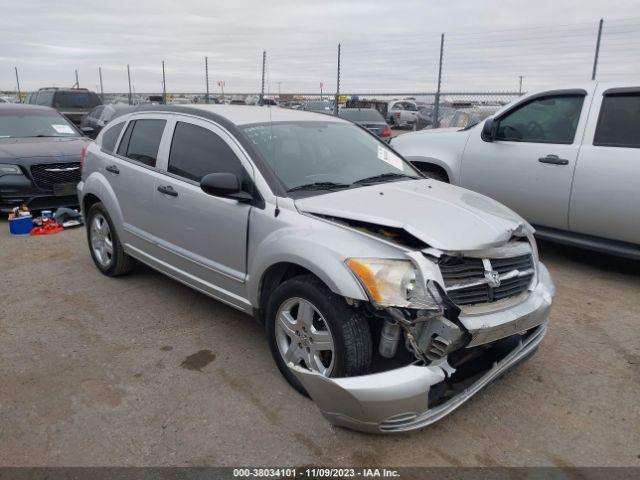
x,y
73,103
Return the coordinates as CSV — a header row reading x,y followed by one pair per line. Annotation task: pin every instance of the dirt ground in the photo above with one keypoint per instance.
x,y
141,370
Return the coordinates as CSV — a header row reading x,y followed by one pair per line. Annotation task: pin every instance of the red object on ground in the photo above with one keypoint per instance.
x,y
49,227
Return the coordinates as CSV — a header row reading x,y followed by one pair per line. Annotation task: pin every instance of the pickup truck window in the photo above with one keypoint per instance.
x,y
619,121
552,119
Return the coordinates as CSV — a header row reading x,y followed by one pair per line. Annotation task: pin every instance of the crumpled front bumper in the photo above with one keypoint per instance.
x,y
397,400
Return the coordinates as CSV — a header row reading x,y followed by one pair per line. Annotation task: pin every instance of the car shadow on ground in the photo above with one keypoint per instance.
x,y
601,261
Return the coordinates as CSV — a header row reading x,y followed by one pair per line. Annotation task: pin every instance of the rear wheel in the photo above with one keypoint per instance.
x,y
311,327
105,247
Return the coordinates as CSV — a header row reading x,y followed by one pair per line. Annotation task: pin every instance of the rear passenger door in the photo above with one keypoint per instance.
x,y
130,172
205,237
605,200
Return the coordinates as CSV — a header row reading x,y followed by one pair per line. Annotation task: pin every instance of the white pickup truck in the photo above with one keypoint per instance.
x,y
567,160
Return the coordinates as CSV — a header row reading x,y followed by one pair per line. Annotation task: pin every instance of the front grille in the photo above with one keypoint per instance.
x,y
45,176
470,280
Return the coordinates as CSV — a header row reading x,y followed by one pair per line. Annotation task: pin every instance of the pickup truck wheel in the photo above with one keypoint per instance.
x,y
104,245
312,327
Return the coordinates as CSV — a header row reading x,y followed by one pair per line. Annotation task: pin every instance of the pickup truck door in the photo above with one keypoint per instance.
x,y
605,198
201,238
530,162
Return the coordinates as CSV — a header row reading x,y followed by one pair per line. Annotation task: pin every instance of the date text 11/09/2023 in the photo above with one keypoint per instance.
x,y
315,472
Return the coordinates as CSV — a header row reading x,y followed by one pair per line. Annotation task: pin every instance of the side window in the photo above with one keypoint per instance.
x,y
141,141
551,119
45,98
110,137
619,121
196,152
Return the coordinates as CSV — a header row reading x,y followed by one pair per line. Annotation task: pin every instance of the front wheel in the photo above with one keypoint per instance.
x,y
310,326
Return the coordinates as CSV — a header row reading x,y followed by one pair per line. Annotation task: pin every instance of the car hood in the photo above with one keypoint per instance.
x,y
443,216
16,148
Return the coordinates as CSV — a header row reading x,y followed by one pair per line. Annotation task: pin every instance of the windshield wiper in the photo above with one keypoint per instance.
x,y
319,186
382,177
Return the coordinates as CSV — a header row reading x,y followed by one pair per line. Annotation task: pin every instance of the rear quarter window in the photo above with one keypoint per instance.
x,y
110,137
619,121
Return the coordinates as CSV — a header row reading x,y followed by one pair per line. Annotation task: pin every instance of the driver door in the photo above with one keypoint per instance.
x,y
529,166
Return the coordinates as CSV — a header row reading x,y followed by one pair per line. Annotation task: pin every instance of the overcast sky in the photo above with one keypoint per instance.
x,y
388,46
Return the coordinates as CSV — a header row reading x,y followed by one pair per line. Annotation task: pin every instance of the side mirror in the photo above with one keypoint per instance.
x,y
88,131
489,130
225,185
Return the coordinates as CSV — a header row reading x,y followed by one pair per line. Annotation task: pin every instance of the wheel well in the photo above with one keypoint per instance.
x,y
427,168
274,276
88,201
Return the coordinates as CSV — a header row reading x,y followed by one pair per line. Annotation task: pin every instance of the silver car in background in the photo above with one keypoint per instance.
x,y
389,298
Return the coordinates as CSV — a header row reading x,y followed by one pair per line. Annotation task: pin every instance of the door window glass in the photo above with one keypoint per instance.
x,y
619,121
196,152
142,141
45,98
544,120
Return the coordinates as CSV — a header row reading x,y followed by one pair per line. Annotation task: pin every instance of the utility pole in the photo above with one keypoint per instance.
x,y
264,65
520,84
164,86
101,87
321,85
18,82
206,76
436,110
279,90
595,58
129,77
77,85
335,108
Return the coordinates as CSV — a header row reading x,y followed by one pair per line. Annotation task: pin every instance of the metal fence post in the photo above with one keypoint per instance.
x,y
77,85
436,110
595,58
206,76
101,87
18,82
164,86
264,64
335,107
129,77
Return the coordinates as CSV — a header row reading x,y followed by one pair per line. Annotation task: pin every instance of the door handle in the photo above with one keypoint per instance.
x,y
168,190
554,160
112,169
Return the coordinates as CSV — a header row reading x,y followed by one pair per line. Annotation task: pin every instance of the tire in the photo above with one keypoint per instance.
x,y
111,261
349,330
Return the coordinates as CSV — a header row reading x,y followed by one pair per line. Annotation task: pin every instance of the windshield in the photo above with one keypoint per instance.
x,y
37,123
304,153
76,100
361,115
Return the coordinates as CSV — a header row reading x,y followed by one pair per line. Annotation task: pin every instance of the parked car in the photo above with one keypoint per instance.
x,y
338,245
466,117
96,119
39,158
424,117
368,118
402,113
73,103
318,106
567,160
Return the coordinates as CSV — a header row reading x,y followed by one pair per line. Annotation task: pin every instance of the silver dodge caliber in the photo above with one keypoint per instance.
x,y
389,298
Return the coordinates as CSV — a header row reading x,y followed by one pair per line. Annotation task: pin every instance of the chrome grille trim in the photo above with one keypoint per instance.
x,y
471,280
46,175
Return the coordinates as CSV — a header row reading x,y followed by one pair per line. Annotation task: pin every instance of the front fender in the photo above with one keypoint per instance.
x,y
319,246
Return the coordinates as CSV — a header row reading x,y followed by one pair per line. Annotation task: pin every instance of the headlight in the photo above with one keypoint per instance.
x,y
394,283
6,169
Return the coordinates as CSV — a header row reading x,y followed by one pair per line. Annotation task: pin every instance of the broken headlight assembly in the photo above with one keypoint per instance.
x,y
395,283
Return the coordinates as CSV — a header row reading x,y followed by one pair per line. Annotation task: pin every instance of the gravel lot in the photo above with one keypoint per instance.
x,y
142,370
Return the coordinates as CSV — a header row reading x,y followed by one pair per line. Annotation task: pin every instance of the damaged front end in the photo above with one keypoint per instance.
x,y
466,318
